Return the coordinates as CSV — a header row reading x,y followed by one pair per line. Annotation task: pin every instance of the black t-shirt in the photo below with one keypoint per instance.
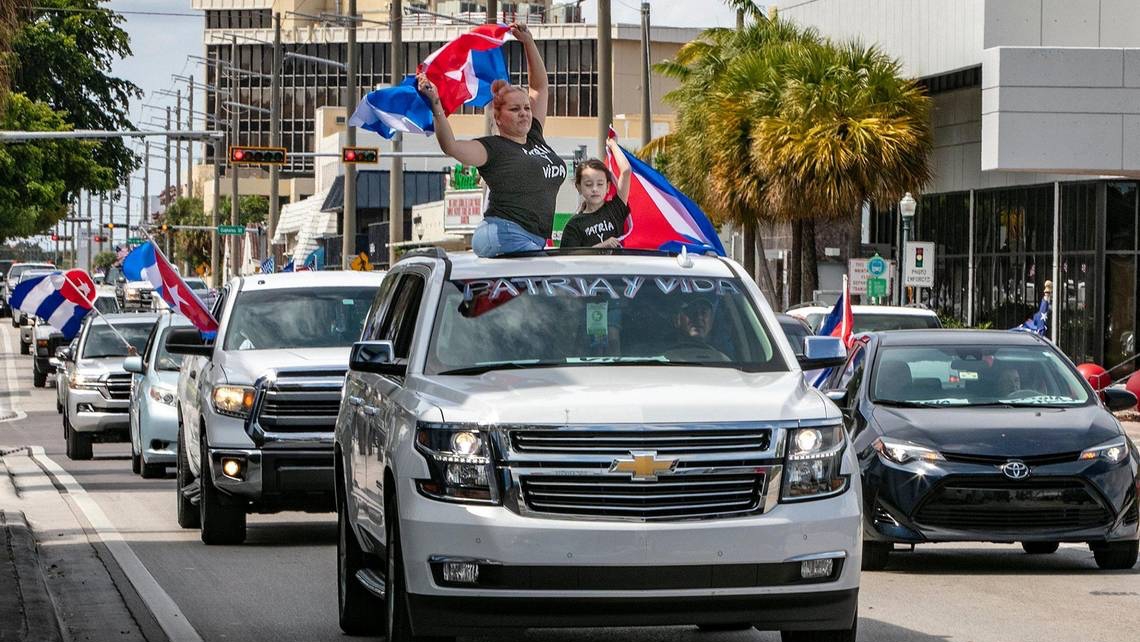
x,y
524,180
587,230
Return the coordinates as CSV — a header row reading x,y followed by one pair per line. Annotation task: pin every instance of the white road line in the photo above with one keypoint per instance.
x,y
166,612
13,388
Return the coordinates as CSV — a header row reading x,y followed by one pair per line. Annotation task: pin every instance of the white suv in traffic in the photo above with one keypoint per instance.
x,y
588,439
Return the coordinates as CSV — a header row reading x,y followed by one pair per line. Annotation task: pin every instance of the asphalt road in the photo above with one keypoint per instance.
x,y
281,584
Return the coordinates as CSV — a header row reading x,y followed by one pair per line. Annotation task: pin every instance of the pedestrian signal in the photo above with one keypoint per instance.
x,y
360,154
257,155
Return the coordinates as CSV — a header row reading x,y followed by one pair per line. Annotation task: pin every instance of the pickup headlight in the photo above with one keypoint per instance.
x,y
459,458
814,457
162,394
234,401
83,381
1113,451
902,452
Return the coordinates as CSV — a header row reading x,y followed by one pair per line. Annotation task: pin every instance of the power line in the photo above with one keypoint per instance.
x,y
111,11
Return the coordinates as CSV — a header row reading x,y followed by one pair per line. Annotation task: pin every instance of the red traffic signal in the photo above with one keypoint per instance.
x,y
99,238
240,155
360,154
55,237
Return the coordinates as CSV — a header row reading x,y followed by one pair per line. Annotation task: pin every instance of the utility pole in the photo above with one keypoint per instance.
x,y
396,173
646,116
164,194
219,154
102,243
351,95
144,218
275,134
190,144
234,124
89,218
488,113
178,145
605,75
127,240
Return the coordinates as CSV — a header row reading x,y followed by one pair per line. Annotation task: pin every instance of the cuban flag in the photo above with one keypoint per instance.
x,y
462,70
146,263
61,299
839,323
661,217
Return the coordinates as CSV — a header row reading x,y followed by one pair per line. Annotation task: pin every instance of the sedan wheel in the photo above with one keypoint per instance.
x,y
875,555
1116,556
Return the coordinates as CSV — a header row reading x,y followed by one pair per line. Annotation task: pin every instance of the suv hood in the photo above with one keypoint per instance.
x,y
245,366
102,366
625,394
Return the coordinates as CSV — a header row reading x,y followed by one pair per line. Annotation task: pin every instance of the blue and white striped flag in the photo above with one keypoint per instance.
x,y
268,266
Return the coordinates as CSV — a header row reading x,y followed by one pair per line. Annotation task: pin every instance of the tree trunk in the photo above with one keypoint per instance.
x,y
749,231
809,261
794,265
740,19
761,273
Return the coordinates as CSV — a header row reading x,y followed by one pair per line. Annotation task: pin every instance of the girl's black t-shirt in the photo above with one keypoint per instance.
x,y
587,230
524,180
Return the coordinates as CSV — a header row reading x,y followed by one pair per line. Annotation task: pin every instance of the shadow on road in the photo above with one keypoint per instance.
x,y
997,561
869,629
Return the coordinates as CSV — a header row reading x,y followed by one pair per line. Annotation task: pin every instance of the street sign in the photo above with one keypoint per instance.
x,y
876,266
858,274
361,263
134,240
231,230
918,268
876,288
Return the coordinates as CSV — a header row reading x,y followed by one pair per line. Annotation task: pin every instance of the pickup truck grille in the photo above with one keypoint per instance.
x,y
611,496
620,442
116,386
300,402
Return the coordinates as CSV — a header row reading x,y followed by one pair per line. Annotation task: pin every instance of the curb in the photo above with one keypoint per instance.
x,y
29,616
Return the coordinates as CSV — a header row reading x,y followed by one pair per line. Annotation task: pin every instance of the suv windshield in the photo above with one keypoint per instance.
x,y
594,320
16,270
976,375
107,304
298,318
101,341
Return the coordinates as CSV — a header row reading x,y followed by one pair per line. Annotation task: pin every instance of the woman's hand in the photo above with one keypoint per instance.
x,y
521,33
611,243
427,88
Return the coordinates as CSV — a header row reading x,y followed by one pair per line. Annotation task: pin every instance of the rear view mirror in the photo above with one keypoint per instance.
x,y
133,364
63,354
377,357
188,341
1117,399
822,352
838,395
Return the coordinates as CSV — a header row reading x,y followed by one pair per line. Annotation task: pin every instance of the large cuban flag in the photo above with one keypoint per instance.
x,y
661,217
146,263
61,299
462,71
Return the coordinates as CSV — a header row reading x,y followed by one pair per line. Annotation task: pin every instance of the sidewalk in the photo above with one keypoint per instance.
x,y
27,612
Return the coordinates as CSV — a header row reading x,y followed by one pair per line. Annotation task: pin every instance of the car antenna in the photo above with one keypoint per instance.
x,y
683,259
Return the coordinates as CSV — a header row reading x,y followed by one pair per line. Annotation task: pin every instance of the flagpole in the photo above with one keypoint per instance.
x,y
100,314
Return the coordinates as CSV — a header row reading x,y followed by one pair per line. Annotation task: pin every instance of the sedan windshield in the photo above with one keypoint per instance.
x,y
543,321
976,376
298,318
102,341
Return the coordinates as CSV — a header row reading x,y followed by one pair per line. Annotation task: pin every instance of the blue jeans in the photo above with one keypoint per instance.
x,y
496,236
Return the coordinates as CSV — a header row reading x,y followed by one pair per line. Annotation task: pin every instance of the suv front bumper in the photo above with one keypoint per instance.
x,y
90,412
277,480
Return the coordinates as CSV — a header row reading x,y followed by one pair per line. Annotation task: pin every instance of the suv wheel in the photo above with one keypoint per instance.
x,y
221,523
78,444
39,377
357,607
876,554
25,348
844,635
1040,548
396,599
188,515
1116,556
151,471
136,461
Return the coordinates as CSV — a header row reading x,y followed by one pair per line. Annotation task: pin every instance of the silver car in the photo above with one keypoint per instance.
x,y
98,389
153,407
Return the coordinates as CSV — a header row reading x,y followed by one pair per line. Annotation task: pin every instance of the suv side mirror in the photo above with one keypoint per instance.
x,y
133,364
1117,399
377,357
822,352
838,395
188,341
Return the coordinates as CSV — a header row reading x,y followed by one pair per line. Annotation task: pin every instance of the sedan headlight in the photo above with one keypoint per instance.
x,y
902,452
812,464
83,381
459,457
234,401
1114,451
162,394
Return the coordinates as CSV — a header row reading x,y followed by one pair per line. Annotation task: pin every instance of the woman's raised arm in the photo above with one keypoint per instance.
x,y
538,85
468,152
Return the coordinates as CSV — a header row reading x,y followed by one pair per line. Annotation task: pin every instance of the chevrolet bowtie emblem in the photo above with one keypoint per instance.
x,y
644,465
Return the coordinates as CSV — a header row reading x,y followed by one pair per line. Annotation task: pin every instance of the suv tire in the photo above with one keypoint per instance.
x,y
1116,556
25,348
396,606
78,444
39,377
221,523
136,461
876,555
188,515
151,471
843,635
357,608
1040,548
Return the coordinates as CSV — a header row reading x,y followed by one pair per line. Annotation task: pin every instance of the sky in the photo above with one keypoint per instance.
x,y
161,44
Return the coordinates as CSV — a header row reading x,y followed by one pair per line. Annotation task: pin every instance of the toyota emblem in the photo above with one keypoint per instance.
x,y
1015,469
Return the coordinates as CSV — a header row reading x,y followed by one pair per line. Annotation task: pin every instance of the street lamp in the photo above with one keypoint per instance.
x,y
906,208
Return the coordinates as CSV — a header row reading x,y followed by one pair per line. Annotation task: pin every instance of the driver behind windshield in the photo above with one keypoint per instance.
x,y
695,320
1008,380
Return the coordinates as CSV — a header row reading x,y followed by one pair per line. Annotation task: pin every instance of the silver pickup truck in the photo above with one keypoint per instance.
x,y
257,405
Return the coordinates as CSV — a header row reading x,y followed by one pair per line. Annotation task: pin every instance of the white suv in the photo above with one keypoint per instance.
x,y
589,439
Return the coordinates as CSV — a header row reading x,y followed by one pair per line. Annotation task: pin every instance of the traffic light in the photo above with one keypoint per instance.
x,y
109,226
257,155
165,227
99,238
918,258
55,237
360,154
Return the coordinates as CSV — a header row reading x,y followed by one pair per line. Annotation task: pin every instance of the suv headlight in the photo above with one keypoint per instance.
x,y
1113,451
83,381
234,401
162,394
814,457
901,452
459,457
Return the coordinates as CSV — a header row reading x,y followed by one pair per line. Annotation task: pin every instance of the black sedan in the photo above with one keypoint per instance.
x,y
990,436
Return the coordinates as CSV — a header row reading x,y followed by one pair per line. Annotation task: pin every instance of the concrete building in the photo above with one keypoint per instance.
x,y
312,107
1037,152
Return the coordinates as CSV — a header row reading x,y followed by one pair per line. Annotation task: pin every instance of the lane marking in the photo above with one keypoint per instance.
x,y
13,386
173,622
